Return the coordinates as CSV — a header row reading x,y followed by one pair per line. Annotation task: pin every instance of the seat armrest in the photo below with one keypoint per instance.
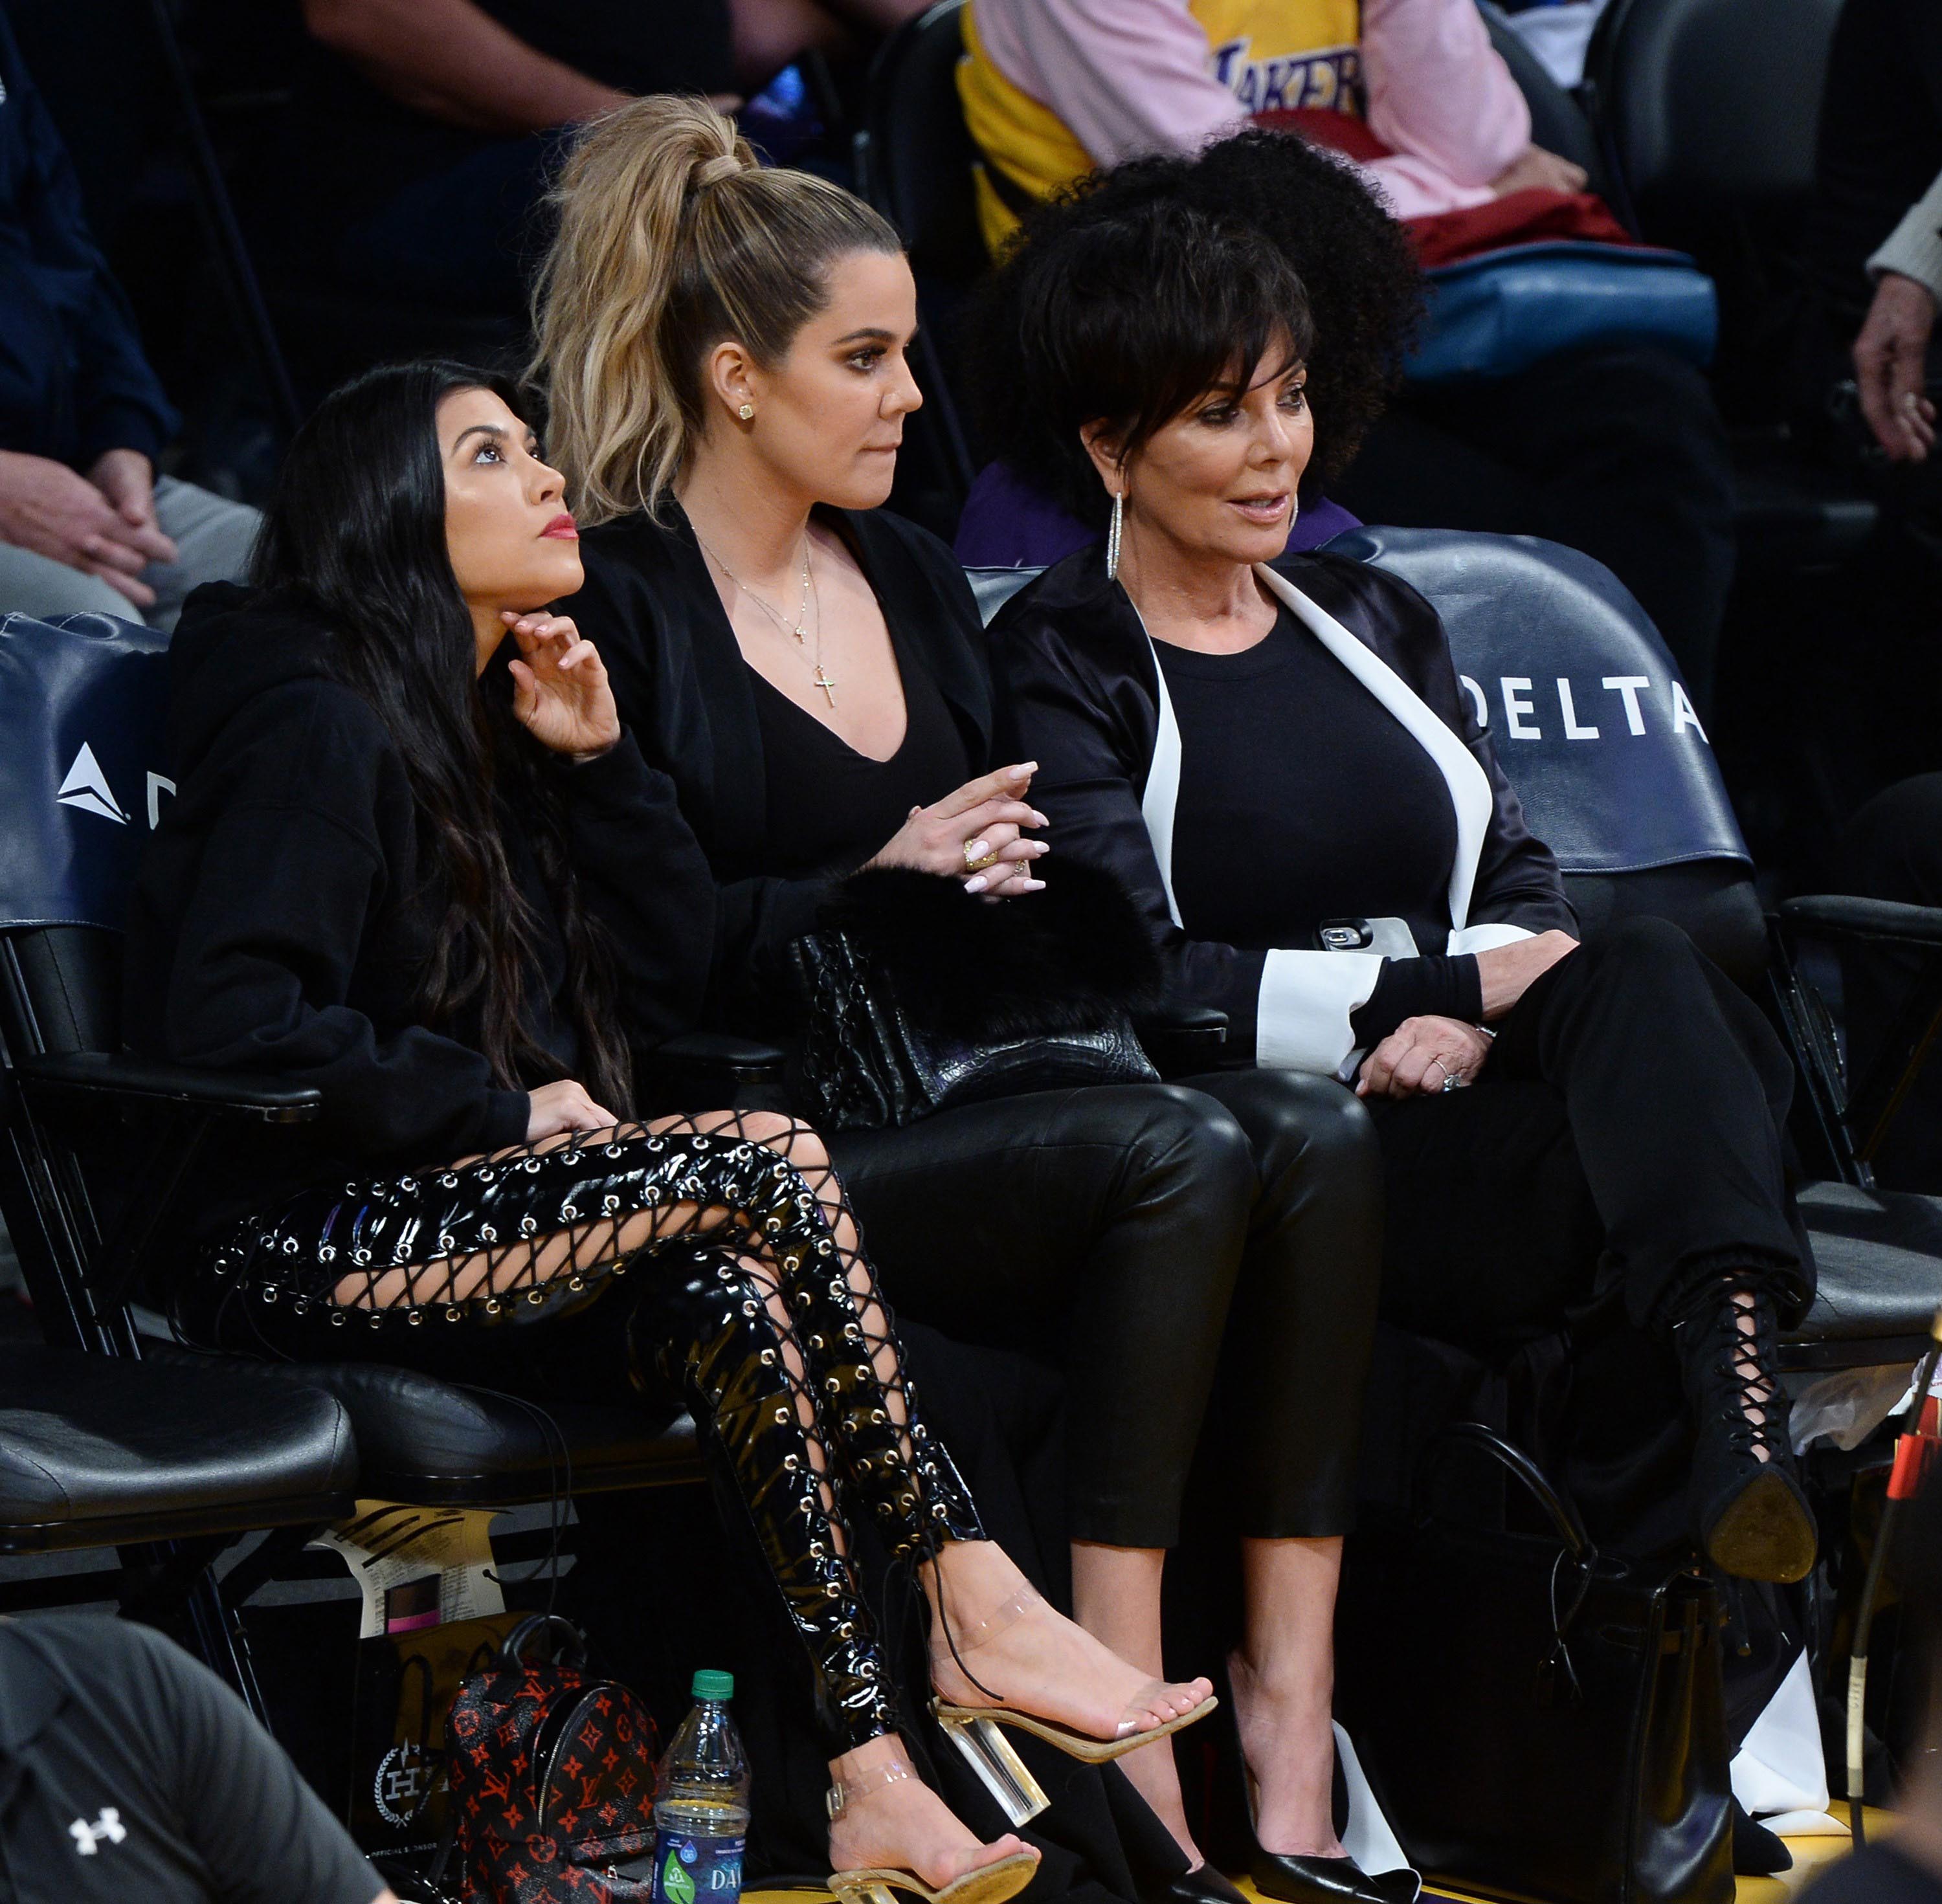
x,y
746,1060
259,1095
1182,1038
1838,915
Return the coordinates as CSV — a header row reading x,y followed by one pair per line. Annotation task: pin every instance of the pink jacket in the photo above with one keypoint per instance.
x,y
1129,77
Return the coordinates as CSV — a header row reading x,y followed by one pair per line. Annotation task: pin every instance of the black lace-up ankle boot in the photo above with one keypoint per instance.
x,y
1750,1516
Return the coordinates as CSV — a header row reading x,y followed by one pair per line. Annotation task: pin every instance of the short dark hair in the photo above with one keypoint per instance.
x,y
1128,319
1356,263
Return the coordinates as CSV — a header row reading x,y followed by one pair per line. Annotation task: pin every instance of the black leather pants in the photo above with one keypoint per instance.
x,y
758,1312
1630,1113
1162,1245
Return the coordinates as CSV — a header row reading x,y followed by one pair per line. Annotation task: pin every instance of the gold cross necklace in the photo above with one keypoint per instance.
x,y
822,677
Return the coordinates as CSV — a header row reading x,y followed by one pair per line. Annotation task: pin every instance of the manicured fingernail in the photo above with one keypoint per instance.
x,y
1038,819
977,850
976,883
1040,847
1031,886
1019,772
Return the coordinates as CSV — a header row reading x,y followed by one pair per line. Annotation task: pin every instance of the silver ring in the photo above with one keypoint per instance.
x,y
1451,1080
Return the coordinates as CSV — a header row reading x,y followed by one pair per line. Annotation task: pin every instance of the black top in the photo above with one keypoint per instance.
x,y
128,1770
1880,1874
1283,731
825,799
1082,698
282,918
651,606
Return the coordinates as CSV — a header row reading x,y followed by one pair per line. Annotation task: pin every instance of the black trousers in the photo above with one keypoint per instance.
x,y
1159,1245
1617,450
1629,1117
1892,849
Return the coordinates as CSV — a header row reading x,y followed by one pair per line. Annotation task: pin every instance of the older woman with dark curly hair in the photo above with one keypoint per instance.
x,y
1273,754
1365,294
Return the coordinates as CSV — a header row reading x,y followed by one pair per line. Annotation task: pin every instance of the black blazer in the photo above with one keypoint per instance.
x,y
650,606
1081,695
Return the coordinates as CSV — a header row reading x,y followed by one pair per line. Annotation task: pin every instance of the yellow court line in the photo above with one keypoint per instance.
x,y
1810,1855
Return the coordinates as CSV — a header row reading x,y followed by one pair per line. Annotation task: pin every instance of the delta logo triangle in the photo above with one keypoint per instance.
x,y
86,787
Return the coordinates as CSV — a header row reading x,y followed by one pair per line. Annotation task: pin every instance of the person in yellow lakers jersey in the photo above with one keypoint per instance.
x,y
1053,89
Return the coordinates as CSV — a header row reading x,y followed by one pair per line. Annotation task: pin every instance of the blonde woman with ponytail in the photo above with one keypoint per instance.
x,y
725,348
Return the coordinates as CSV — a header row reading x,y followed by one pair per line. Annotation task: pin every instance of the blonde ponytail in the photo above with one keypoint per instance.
x,y
671,237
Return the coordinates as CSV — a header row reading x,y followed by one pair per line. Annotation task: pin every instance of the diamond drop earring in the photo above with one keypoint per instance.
x,y
1113,529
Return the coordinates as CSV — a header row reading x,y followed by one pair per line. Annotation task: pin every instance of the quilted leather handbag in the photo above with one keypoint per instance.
x,y
1537,1719
915,999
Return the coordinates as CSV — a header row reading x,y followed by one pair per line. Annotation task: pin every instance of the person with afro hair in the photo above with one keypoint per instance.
x,y
1363,289
1616,449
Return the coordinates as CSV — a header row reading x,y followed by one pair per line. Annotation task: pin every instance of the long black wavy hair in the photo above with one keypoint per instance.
x,y
355,532
1357,268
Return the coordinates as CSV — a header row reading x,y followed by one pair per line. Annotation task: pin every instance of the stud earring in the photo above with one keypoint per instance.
x,y
745,411
1113,529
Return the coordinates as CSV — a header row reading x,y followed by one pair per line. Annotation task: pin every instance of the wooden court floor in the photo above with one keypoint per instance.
x,y
1810,1855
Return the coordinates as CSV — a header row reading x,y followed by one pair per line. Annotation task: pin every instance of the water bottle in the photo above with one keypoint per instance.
x,y
701,1802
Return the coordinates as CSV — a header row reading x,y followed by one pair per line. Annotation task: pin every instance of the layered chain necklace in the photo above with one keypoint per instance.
x,y
820,677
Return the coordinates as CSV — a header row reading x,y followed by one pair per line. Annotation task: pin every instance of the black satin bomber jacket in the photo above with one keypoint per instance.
x,y
1078,693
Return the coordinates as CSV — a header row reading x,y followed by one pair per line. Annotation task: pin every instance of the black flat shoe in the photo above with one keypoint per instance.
x,y
1749,1515
1300,1880
1205,1886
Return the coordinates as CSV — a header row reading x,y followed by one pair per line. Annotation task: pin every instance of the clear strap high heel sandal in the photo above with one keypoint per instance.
x,y
988,1883
975,1731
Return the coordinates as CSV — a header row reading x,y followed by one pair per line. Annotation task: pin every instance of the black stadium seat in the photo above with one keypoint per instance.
x,y
99,1451
1639,817
1708,111
99,1140
914,163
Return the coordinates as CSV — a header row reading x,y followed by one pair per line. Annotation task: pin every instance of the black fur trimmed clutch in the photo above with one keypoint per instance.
x,y
917,998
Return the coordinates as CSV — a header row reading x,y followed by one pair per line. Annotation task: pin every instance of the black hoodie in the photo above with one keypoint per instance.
x,y
279,920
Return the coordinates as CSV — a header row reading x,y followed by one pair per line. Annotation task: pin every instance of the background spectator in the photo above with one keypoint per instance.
x,y
427,130
1616,449
85,522
1874,255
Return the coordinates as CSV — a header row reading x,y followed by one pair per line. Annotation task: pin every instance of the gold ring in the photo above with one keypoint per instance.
x,y
978,865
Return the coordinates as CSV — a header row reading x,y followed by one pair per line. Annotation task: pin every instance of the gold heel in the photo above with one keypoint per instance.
x,y
861,1887
989,1753
990,1884
955,1719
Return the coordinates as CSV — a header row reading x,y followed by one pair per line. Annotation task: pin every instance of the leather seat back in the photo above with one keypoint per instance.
x,y
1705,103
917,152
82,702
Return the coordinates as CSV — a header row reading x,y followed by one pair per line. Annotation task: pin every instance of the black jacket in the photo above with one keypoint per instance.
x,y
651,606
281,919
1081,696
73,380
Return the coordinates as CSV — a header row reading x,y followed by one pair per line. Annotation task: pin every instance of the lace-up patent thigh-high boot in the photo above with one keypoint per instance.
x,y
706,1331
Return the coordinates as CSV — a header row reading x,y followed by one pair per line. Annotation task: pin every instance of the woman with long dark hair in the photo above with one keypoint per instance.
x,y
451,895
